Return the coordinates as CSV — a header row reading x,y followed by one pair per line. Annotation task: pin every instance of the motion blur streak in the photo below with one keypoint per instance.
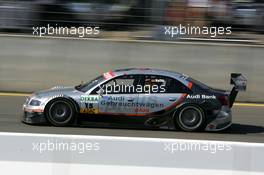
x,y
136,18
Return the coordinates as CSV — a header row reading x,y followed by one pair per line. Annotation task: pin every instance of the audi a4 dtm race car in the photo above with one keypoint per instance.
x,y
134,97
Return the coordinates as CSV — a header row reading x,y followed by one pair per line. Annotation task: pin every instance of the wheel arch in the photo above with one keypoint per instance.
x,y
178,108
67,98
182,106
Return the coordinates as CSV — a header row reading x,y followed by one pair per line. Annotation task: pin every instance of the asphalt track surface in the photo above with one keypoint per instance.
x,y
33,63
248,125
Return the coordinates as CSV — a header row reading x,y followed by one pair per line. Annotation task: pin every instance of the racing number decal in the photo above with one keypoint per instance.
x,y
89,109
89,104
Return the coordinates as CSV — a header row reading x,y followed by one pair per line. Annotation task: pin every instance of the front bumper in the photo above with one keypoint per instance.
x,y
33,115
222,120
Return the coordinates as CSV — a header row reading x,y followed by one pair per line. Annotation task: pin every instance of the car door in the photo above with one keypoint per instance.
x,y
161,94
118,96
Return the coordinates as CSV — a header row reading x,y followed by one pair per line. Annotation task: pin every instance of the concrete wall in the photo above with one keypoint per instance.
x,y
29,64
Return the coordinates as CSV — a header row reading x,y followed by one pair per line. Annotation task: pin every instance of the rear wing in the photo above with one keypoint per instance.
x,y
239,81
240,84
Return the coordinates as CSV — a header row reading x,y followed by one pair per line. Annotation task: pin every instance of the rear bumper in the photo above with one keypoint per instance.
x,y
222,121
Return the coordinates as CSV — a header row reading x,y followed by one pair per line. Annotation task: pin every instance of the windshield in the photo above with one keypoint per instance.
x,y
88,85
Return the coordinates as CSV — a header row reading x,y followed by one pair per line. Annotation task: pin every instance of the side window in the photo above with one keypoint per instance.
x,y
125,84
163,84
154,84
175,86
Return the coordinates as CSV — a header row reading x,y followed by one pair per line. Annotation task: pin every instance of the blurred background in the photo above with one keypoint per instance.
x,y
131,35
135,18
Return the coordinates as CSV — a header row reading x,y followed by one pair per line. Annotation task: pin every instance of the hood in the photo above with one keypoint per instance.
x,y
57,90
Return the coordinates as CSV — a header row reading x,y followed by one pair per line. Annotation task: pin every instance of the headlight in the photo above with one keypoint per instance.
x,y
34,103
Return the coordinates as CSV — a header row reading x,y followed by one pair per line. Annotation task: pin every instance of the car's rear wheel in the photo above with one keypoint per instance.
x,y
60,113
190,118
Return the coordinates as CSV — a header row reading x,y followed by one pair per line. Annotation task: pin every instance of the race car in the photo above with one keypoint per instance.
x,y
137,97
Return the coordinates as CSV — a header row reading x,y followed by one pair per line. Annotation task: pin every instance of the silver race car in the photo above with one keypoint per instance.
x,y
148,98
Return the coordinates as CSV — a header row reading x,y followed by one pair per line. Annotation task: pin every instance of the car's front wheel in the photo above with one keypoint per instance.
x,y
60,112
190,118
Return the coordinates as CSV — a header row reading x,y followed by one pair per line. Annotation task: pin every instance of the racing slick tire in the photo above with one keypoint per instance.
x,y
190,118
60,112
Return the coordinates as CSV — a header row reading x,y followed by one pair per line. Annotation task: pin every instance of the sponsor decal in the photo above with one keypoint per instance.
x,y
145,110
113,98
89,98
91,104
198,96
121,103
131,104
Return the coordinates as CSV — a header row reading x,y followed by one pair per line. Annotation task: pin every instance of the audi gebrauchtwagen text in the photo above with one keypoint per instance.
x,y
149,98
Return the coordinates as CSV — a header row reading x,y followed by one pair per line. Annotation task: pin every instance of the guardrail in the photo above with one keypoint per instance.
x,y
31,63
27,153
